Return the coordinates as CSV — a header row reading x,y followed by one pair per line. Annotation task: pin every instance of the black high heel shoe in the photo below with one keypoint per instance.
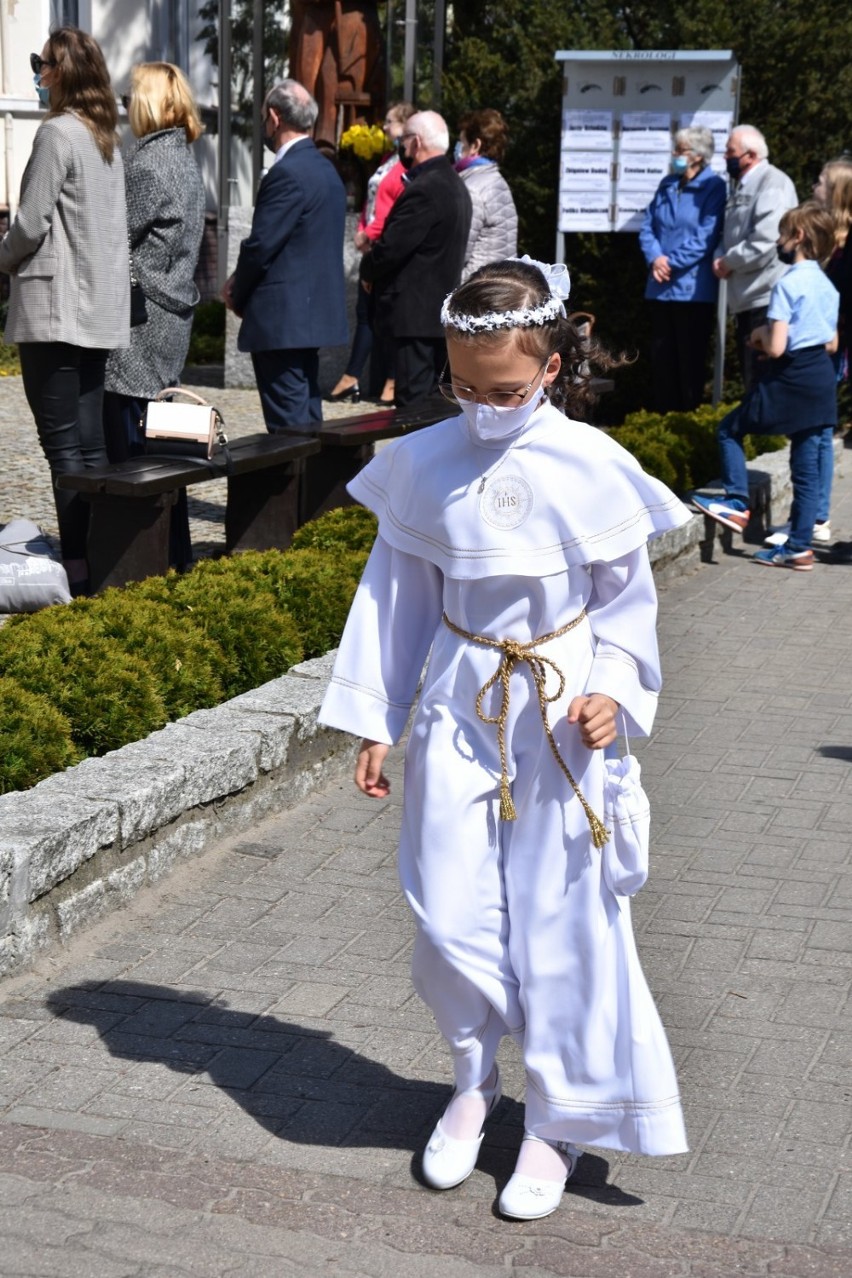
x,y
352,393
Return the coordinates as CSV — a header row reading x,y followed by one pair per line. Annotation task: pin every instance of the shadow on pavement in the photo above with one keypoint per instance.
x,y
295,1081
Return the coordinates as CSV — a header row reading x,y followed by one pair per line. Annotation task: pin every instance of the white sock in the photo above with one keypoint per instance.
x,y
541,1161
465,1113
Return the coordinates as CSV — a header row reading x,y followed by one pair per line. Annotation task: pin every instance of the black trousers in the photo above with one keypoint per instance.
x,y
419,361
680,339
64,386
125,438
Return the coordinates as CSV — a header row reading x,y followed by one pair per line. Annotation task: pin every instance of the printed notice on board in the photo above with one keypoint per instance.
x,y
643,170
646,131
584,212
587,130
629,210
587,171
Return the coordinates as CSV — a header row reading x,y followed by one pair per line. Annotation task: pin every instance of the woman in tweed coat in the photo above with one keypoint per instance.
x,y
165,217
66,252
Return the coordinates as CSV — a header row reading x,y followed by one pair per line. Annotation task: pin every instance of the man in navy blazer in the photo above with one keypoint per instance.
x,y
288,285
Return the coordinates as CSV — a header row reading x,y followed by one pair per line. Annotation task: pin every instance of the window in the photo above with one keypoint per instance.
x,y
64,13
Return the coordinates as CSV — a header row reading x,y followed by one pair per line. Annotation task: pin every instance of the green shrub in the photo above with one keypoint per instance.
x,y
346,528
680,448
183,662
207,343
108,696
35,738
315,586
258,638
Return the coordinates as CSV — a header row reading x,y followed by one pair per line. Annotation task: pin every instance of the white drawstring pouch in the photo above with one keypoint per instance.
x,y
627,816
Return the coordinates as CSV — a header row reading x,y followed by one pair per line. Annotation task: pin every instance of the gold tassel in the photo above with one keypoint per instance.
x,y
600,834
507,807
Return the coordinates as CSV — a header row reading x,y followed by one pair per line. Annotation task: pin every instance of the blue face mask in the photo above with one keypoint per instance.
x,y
457,152
680,164
43,93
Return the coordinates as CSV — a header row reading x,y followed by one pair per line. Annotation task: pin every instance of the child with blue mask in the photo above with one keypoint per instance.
x,y
512,547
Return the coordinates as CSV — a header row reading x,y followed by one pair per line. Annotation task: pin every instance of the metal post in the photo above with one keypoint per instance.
x,y
389,85
438,63
410,49
224,137
257,95
721,335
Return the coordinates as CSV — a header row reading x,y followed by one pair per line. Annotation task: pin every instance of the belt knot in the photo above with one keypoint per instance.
x,y
512,653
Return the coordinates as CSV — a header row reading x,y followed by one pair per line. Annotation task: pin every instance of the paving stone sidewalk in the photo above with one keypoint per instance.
x,y
234,1077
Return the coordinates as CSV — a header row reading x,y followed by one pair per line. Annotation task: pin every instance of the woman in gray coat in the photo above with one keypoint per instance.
x,y
165,218
483,138
66,252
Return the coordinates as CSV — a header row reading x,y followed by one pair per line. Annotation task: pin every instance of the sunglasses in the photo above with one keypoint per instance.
x,y
38,64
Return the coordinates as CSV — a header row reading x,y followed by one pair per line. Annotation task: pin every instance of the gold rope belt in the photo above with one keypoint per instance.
x,y
513,653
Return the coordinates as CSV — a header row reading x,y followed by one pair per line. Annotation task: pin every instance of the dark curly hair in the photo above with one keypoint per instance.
x,y
513,285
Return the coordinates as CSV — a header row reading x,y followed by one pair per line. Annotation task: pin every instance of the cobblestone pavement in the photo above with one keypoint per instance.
x,y
26,493
234,1077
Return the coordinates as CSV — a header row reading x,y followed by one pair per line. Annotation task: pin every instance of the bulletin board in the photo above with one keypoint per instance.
x,y
620,111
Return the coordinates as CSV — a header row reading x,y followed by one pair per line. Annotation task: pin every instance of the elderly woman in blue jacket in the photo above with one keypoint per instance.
x,y
681,228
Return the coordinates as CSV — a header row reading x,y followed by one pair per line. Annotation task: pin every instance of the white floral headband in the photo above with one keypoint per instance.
x,y
559,282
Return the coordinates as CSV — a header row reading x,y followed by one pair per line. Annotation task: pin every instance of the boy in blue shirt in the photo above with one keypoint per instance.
x,y
798,397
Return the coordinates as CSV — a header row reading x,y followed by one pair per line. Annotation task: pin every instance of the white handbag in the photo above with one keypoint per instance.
x,y
184,430
627,815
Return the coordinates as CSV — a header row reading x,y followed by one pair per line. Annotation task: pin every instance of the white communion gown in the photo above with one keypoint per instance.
x,y
517,932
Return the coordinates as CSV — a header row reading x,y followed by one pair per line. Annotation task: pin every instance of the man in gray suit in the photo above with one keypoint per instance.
x,y
760,193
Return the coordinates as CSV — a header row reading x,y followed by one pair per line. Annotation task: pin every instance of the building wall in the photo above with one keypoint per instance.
x,y
129,31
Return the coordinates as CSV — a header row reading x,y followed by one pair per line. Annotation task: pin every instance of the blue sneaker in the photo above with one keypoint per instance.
x,y
781,557
728,511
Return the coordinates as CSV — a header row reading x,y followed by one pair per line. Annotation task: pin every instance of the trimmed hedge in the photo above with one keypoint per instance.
x,y
35,738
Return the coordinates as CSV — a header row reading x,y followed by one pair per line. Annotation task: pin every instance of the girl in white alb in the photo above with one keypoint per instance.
x,y
512,544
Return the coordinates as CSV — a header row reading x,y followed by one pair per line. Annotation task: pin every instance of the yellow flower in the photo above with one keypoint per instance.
x,y
367,141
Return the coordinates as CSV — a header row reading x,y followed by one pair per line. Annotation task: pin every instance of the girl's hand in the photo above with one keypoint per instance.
x,y
595,716
369,777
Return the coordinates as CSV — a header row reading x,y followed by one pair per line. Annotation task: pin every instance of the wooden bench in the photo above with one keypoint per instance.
x,y
131,502
347,444
275,484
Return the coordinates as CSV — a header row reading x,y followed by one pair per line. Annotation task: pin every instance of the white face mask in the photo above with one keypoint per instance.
x,y
489,424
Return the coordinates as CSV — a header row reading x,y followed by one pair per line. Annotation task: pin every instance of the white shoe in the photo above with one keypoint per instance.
x,y
822,533
779,537
525,1198
447,1161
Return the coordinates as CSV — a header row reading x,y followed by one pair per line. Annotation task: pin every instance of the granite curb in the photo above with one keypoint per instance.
x,y
84,841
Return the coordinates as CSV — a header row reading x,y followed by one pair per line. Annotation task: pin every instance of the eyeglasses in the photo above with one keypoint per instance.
x,y
406,137
497,399
125,101
37,63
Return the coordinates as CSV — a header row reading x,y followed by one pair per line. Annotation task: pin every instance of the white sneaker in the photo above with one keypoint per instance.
x,y
822,533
